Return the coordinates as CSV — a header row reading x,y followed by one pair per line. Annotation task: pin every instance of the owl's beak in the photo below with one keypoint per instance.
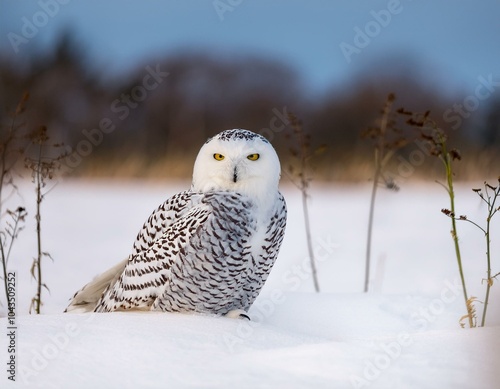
x,y
235,175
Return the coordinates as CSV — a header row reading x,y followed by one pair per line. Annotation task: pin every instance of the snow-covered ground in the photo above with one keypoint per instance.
x,y
404,334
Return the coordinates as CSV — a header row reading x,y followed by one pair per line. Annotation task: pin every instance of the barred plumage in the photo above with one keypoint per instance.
x,y
208,249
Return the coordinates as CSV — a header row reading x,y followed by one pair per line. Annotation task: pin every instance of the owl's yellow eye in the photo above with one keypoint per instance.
x,y
253,157
218,157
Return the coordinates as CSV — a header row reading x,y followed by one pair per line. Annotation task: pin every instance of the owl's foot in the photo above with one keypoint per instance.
x,y
237,314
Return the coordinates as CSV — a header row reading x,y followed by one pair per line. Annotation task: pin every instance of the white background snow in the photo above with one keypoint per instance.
x,y
404,334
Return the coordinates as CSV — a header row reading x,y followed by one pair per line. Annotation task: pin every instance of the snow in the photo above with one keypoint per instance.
x,y
405,333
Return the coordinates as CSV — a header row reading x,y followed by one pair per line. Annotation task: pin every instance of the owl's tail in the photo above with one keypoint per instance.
x,y
85,300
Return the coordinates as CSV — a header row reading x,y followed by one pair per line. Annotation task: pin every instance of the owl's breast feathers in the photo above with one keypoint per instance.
x,y
205,252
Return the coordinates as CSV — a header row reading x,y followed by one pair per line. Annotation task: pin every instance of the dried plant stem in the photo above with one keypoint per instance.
x,y
4,265
382,156
37,263
7,148
43,169
447,159
17,216
304,185
301,180
38,183
489,280
309,240
3,172
376,178
490,202
3,168
491,211
436,139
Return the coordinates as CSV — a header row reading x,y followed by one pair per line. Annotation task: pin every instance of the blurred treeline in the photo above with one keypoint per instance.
x,y
148,124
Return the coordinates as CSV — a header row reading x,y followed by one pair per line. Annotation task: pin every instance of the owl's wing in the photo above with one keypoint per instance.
x,y
87,298
147,272
161,219
269,249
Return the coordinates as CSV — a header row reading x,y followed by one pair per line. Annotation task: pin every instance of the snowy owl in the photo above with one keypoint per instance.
x,y
208,249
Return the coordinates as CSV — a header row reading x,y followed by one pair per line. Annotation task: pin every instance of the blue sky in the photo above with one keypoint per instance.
x,y
452,42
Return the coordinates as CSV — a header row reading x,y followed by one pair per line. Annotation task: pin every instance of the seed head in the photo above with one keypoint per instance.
x,y
447,212
455,154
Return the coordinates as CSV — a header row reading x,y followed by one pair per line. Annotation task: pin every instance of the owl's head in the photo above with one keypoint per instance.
x,y
237,160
